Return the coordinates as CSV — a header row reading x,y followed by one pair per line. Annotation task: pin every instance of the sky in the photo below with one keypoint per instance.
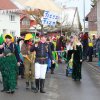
x,y
77,3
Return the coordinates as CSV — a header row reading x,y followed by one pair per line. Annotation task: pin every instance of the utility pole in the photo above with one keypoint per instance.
x,y
61,20
84,13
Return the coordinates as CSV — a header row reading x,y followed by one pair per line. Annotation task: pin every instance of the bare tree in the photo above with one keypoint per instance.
x,y
37,14
67,25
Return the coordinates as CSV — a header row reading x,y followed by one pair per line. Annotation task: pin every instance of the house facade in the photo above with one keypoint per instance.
x,y
98,16
92,21
26,22
9,18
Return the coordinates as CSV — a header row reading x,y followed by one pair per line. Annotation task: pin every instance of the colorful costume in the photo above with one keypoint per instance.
x,y
28,64
9,68
90,52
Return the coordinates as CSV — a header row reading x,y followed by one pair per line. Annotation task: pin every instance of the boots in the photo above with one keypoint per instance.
x,y
37,82
52,68
27,85
52,71
42,81
33,88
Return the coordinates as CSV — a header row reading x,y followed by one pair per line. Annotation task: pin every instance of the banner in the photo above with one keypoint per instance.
x,y
49,18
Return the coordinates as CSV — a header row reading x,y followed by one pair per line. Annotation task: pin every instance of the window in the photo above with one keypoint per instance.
x,y
26,22
12,17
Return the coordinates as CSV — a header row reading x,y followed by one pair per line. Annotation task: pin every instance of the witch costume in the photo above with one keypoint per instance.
x,y
77,62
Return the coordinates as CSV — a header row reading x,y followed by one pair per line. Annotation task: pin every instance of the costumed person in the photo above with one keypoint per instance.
x,y
28,61
94,45
9,64
77,60
85,45
1,53
98,49
59,47
21,67
64,42
48,60
37,38
69,47
54,54
90,51
41,49
54,65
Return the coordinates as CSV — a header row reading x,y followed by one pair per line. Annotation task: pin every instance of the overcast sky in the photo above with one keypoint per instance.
x,y
77,3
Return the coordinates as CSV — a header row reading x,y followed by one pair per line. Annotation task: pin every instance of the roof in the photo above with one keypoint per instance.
x,y
48,5
70,16
92,11
21,1
7,4
23,16
18,4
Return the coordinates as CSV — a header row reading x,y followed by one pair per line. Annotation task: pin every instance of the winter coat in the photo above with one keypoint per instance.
x,y
98,45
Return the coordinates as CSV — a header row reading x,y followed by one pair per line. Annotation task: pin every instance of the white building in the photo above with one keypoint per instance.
x,y
70,18
98,16
9,18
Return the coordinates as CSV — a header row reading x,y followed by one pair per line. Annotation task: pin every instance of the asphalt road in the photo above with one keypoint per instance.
x,y
60,87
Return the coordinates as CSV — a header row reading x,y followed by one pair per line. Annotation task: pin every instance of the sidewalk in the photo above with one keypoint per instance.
x,y
94,63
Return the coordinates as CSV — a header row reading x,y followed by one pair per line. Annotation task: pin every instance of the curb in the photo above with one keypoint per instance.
x,y
96,69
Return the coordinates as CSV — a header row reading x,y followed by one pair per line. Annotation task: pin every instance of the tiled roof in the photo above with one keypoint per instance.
x,y
7,4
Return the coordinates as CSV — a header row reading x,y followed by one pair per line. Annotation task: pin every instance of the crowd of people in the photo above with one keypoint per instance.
x,y
91,47
32,59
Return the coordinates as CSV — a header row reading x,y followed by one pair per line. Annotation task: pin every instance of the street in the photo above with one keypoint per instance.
x,y
34,33
60,87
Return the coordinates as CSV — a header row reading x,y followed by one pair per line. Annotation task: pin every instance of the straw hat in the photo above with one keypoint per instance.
x,y
28,36
10,35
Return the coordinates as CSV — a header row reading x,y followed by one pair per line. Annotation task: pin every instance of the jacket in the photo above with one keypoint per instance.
x,y
41,52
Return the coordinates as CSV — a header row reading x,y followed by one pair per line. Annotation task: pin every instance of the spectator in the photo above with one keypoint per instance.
x,y
98,49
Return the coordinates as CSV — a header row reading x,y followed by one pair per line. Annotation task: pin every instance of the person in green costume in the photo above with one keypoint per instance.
x,y
8,64
1,53
1,39
54,54
77,60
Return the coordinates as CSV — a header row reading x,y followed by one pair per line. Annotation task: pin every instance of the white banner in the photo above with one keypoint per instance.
x,y
49,18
